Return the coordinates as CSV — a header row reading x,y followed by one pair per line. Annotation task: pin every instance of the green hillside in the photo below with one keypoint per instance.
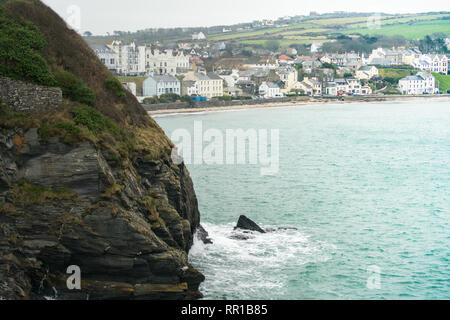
x,y
443,81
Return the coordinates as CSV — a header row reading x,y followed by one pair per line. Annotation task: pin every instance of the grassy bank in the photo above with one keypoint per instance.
x,y
443,81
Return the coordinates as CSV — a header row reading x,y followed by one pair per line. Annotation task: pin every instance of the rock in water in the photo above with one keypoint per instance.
x,y
247,224
203,235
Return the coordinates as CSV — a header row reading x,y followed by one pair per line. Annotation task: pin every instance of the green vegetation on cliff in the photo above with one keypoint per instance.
x,y
25,194
21,52
73,88
115,87
52,54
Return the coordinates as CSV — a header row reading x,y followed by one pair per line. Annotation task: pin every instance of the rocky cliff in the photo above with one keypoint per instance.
x,y
90,186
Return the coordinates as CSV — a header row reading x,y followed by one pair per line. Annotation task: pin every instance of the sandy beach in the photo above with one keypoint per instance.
x,y
312,101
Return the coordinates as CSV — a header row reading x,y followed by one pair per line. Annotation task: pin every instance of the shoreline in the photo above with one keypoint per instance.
x,y
275,104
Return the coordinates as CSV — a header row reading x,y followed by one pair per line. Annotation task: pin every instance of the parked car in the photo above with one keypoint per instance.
x,y
448,91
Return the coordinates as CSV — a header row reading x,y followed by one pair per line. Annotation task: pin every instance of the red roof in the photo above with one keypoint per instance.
x,y
284,57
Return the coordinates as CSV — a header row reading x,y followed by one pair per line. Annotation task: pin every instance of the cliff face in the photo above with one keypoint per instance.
x,y
129,237
104,195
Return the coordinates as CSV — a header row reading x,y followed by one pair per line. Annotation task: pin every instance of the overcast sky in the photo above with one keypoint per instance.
x,y
101,16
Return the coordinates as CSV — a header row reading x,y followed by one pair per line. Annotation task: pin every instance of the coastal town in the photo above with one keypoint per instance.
x,y
155,73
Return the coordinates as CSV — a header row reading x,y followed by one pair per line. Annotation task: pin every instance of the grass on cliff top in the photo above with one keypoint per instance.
x,y
24,194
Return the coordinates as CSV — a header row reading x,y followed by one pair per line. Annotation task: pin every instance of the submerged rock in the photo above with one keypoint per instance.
x,y
203,235
245,223
280,229
241,236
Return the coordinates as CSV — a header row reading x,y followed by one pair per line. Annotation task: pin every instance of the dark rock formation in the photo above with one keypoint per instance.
x,y
247,224
128,244
203,235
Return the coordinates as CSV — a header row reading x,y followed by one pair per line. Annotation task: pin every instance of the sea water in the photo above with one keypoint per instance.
x,y
366,185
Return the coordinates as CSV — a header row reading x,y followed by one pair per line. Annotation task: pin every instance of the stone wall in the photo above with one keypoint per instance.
x,y
26,97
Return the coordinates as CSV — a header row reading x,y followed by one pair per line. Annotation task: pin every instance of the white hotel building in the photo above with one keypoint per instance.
x,y
421,83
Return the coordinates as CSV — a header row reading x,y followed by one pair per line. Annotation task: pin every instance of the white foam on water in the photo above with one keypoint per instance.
x,y
257,268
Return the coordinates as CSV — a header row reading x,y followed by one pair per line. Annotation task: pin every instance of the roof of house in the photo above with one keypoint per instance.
x,y
100,48
188,83
285,70
285,57
213,76
163,78
411,78
366,68
272,85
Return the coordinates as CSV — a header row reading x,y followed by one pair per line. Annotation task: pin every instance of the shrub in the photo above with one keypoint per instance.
x,y
73,88
68,131
90,118
95,121
225,98
169,97
151,101
114,86
186,98
21,53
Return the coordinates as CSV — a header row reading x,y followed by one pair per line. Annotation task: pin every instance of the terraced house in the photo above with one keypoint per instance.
x,y
166,61
432,63
422,82
131,58
106,55
158,85
209,85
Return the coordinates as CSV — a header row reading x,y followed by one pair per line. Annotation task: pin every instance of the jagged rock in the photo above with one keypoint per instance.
x,y
247,224
203,235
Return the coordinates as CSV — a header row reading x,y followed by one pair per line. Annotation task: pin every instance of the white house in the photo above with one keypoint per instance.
x,y
289,75
421,83
166,61
269,90
189,88
131,58
366,73
346,86
432,63
107,56
311,86
199,36
209,85
230,77
158,85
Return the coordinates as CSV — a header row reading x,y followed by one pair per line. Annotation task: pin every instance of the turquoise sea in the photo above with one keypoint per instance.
x,y
366,185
